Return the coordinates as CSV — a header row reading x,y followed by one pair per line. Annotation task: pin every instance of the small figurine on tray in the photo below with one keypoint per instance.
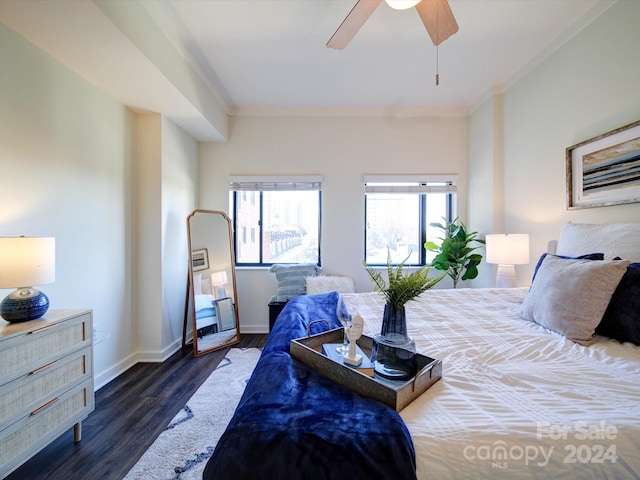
x,y
353,332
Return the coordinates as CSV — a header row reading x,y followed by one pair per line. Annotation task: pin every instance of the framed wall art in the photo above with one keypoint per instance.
x,y
200,259
605,170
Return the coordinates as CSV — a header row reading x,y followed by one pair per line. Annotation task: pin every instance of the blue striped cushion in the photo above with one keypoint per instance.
x,y
291,279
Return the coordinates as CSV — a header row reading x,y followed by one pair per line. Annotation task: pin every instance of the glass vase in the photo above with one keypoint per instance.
x,y
393,352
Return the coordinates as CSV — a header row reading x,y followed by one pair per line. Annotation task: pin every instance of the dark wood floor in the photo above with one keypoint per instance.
x,y
131,411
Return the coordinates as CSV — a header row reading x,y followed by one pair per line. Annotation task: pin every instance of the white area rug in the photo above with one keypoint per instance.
x,y
182,450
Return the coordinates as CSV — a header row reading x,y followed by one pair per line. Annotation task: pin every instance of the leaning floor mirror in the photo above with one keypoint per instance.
x,y
211,288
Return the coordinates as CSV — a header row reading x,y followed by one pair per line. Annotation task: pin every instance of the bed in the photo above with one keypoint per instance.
x,y
205,306
523,395
206,321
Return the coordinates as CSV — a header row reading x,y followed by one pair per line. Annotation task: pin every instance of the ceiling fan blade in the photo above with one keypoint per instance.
x,y
438,19
358,15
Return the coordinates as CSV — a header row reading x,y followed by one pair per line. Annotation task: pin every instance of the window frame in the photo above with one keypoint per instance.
x,y
422,186
259,185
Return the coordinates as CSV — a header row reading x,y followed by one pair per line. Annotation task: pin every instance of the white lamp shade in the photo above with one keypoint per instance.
x,y
507,249
402,4
219,278
27,261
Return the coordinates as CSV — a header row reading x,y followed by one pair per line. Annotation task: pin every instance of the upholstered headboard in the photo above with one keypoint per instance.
x,y
614,240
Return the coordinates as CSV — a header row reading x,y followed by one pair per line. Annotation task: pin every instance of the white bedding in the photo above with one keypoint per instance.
x,y
516,400
203,301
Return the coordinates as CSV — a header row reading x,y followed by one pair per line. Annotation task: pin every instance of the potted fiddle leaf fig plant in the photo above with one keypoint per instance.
x,y
393,351
455,253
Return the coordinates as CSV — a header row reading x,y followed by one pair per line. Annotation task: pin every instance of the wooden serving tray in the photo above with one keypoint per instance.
x,y
396,394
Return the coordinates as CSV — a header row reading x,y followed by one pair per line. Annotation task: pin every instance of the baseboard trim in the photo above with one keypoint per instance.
x,y
254,329
103,378
160,356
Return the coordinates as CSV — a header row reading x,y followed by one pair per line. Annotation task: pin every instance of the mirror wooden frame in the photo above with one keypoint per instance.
x,y
224,305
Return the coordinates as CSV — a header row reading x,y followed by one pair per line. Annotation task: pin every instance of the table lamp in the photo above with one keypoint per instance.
x,y
24,262
507,250
218,281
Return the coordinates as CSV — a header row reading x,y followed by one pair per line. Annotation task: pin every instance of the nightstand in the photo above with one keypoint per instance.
x,y
274,310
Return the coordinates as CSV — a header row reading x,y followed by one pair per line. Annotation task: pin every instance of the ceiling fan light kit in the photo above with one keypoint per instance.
x,y
402,4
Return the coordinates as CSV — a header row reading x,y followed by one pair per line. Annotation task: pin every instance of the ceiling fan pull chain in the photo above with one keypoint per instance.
x,y
437,68
437,46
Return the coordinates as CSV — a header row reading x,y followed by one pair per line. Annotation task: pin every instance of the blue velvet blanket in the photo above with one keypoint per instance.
x,y
294,423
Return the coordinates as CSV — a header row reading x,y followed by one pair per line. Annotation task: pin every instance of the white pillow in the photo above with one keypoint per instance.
x,y
329,283
197,283
613,239
203,301
570,296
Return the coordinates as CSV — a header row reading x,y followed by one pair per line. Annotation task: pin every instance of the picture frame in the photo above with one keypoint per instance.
x,y
199,259
605,170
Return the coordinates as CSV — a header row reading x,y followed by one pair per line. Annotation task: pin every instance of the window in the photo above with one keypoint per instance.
x,y
276,219
398,211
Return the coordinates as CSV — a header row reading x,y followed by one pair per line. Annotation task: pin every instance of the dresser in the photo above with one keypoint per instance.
x,y
46,382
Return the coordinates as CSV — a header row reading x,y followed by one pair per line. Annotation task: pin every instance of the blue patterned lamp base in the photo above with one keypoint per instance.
x,y
23,305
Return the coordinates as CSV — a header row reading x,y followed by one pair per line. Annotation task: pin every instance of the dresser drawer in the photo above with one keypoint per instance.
x,y
37,387
29,350
24,438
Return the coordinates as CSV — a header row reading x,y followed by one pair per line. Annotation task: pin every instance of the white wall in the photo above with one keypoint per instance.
x,y
486,166
148,227
179,188
165,192
65,153
342,150
586,88
73,167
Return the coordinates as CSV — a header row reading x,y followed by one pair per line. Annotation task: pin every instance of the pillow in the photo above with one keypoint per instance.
x,y
291,279
202,302
613,239
589,256
329,283
571,296
621,320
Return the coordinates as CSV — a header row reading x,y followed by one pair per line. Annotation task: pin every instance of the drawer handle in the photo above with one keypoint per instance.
x,y
46,405
47,327
43,367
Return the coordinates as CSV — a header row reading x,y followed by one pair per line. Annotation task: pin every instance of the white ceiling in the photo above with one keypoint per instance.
x,y
269,56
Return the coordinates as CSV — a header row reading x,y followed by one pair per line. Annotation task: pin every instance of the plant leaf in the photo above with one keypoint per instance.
x,y
454,255
402,286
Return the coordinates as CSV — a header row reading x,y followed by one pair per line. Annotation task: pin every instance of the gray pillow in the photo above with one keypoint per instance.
x,y
571,296
291,279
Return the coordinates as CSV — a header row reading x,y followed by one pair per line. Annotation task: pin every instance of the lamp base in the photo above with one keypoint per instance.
x,y
506,276
220,291
23,305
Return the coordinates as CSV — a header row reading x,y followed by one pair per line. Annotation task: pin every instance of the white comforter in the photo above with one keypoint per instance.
x,y
516,400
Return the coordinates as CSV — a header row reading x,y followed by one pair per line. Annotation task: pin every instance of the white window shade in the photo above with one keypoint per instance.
x,y
275,183
410,183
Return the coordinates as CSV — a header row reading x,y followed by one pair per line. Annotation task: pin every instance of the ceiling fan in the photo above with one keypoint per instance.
x,y
436,15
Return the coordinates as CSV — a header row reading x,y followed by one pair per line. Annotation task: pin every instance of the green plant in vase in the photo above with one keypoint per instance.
x,y
455,253
393,351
